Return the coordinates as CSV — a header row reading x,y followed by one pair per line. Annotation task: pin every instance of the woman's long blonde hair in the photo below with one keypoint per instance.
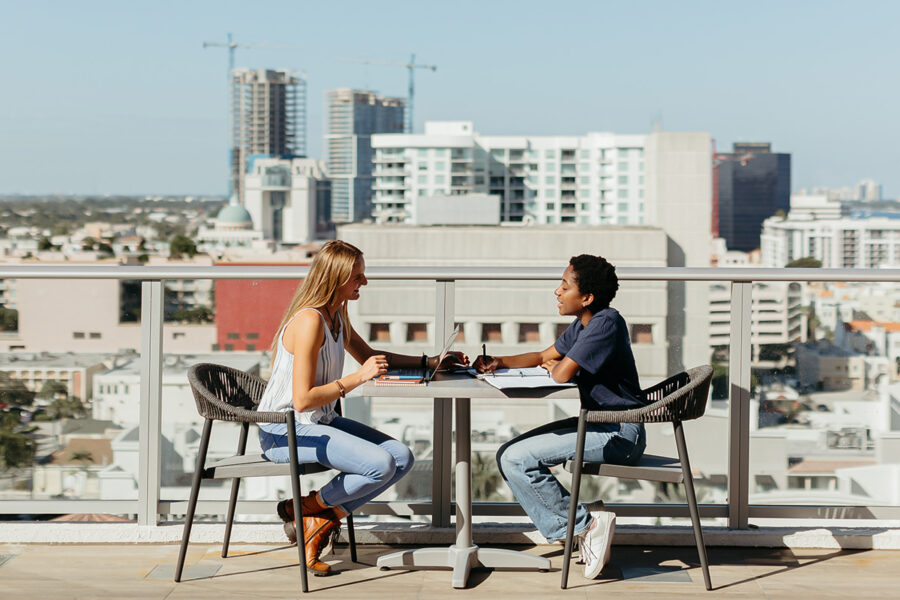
x,y
330,269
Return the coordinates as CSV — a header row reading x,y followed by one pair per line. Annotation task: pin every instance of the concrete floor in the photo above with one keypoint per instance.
x,y
36,571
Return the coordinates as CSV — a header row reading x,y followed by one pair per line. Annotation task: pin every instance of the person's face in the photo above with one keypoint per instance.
x,y
569,300
350,290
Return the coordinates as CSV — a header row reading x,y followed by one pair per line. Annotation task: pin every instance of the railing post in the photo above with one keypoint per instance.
x,y
739,405
149,433
444,314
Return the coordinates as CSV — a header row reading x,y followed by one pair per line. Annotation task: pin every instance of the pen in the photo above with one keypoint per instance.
x,y
484,354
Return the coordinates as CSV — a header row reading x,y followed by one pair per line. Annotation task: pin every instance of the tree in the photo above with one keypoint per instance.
x,y
44,243
200,314
66,408
88,243
105,248
53,389
182,244
807,262
16,446
13,392
9,319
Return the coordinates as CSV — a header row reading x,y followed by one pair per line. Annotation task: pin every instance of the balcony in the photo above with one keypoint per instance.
x,y
737,510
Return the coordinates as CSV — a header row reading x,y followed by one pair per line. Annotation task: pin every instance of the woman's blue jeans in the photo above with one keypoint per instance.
x,y
369,461
525,463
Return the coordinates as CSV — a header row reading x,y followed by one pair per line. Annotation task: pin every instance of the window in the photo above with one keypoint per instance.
x,y
641,333
584,180
623,193
232,335
550,206
416,332
177,335
461,337
379,332
585,154
549,193
623,179
623,166
490,332
440,166
252,336
423,152
229,347
78,335
584,167
550,180
550,167
641,179
251,347
623,152
440,179
215,348
550,154
528,333
422,179
623,207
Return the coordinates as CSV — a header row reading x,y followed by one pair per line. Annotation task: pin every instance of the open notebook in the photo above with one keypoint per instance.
x,y
417,376
530,377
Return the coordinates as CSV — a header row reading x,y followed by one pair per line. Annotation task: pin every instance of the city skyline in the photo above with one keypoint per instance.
x,y
123,99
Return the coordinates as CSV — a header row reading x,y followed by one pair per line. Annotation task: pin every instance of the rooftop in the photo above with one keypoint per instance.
x,y
270,571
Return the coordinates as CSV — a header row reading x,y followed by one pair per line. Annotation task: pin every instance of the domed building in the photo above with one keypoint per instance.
x,y
233,228
233,217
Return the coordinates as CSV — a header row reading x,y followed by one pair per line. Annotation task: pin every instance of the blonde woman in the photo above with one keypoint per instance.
x,y
307,377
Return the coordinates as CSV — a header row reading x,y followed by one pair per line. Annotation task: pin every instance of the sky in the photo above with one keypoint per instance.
x,y
103,97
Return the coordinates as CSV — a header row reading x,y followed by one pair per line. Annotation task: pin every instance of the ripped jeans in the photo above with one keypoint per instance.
x,y
525,463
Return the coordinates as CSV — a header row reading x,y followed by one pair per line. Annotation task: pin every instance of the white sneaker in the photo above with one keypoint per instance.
x,y
596,543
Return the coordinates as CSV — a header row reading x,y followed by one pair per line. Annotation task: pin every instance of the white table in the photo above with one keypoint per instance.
x,y
464,554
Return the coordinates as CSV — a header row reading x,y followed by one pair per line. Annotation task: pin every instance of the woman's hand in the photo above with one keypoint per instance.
x,y
549,364
374,366
489,366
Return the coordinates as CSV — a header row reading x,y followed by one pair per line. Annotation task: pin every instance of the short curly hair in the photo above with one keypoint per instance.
x,y
595,275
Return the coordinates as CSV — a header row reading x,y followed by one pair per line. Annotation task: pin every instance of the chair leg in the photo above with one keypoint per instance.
x,y
235,485
352,536
692,501
298,509
573,502
192,502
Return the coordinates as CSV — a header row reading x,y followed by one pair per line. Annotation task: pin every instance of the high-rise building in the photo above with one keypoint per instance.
x,y
352,117
753,183
868,190
268,117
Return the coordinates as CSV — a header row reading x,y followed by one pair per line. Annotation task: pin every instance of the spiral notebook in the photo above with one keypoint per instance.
x,y
416,376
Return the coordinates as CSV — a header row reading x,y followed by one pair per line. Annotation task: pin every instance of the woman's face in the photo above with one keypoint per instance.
x,y
569,300
350,290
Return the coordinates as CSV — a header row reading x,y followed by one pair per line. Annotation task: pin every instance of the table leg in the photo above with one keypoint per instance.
x,y
464,554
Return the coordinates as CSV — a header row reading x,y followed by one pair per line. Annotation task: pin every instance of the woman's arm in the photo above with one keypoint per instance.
x,y
361,351
303,337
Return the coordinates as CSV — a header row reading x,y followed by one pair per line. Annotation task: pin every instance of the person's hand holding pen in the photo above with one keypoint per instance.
x,y
485,363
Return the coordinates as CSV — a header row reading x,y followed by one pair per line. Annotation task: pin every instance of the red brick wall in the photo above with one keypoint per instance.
x,y
248,311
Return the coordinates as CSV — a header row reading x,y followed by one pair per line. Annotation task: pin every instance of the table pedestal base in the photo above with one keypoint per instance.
x,y
461,560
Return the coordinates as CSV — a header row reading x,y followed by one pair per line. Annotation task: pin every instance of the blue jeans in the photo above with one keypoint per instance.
x,y
525,463
369,461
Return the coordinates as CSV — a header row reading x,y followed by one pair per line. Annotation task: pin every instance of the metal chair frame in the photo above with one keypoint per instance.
x,y
226,394
679,398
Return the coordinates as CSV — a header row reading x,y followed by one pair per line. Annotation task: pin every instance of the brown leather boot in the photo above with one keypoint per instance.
x,y
317,531
285,509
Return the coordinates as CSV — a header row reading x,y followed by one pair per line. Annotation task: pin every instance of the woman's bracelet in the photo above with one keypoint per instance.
x,y
341,388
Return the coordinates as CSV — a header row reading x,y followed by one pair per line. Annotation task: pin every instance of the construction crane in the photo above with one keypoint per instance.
x,y
411,67
232,46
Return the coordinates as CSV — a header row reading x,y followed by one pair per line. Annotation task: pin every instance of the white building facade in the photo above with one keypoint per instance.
x,y
288,199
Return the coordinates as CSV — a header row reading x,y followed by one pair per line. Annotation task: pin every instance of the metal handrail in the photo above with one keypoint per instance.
x,y
441,273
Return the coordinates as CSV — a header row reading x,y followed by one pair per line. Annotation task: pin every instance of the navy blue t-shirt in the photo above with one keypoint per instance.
x,y
607,378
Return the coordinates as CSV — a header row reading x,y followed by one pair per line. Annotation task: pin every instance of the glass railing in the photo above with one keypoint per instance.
x,y
98,415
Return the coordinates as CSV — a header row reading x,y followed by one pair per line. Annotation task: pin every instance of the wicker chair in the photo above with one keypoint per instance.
x,y
226,394
677,399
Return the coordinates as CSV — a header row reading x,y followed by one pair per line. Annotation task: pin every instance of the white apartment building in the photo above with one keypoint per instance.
x,y
598,178
288,199
776,317
854,242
